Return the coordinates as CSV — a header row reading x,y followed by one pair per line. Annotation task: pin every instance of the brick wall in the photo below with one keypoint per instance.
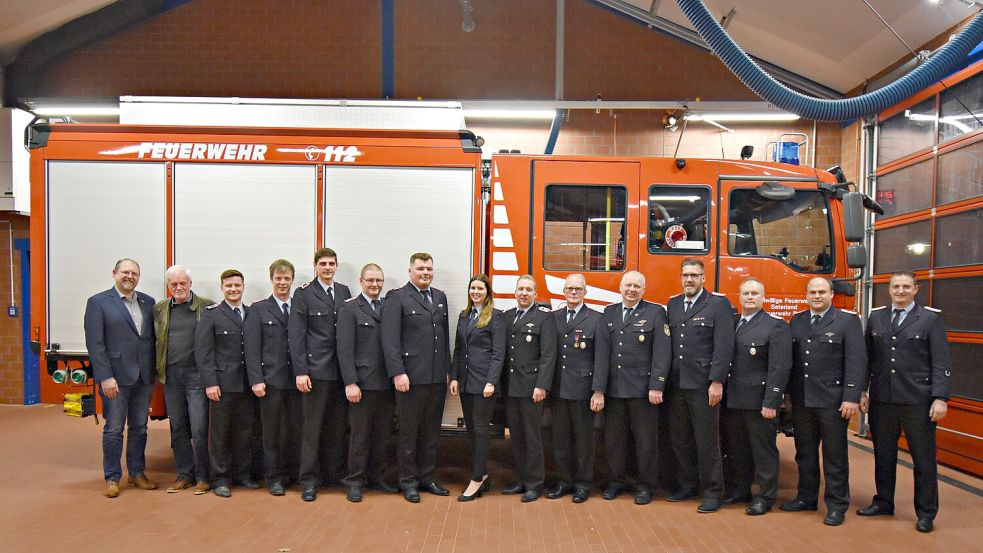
x,y
11,348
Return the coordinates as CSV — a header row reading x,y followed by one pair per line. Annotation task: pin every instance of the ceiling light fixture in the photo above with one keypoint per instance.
x,y
515,114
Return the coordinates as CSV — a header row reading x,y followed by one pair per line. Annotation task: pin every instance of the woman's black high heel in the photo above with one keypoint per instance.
x,y
485,486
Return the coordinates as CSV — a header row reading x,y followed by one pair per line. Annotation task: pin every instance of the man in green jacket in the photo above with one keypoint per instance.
x,y
175,321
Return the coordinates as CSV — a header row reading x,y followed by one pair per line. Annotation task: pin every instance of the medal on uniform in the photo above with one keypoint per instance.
x,y
529,337
753,351
666,329
583,345
641,337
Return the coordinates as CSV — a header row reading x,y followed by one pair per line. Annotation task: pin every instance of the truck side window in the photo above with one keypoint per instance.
x,y
584,228
794,231
678,219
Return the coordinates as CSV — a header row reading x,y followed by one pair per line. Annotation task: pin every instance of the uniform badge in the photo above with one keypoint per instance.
x,y
641,337
583,345
666,329
530,324
830,334
754,351
529,337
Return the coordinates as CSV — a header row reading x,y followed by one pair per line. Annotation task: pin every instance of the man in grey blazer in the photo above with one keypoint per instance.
x,y
119,336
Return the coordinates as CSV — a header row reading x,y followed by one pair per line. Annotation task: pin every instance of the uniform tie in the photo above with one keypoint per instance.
x,y
627,313
331,292
570,315
815,320
518,316
896,321
238,312
741,323
474,315
689,303
286,310
426,295
375,305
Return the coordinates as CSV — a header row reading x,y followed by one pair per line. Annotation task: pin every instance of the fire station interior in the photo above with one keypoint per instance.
x,y
597,79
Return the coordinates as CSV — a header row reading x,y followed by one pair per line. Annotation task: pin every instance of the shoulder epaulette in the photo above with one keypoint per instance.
x,y
719,294
848,311
801,312
879,308
353,298
662,305
257,302
306,284
212,306
544,309
774,316
932,309
676,296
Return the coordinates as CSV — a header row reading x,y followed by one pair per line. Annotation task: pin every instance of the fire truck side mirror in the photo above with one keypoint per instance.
x,y
853,217
856,256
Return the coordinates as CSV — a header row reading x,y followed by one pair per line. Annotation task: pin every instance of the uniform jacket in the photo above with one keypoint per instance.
x,y
479,353
582,349
267,347
910,365
834,357
636,350
531,355
415,335
220,348
311,330
360,345
162,321
115,348
702,340
762,363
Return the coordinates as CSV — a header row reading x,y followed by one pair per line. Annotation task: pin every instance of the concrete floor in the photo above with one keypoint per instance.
x,y
52,483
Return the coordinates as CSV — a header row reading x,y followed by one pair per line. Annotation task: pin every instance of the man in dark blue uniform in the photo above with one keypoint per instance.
x,y
530,360
702,329
271,379
829,370
636,367
367,385
580,337
757,379
220,356
908,360
416,345
311,333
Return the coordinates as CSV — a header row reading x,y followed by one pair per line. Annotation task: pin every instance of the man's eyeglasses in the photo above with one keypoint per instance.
x,y
693,276
573,290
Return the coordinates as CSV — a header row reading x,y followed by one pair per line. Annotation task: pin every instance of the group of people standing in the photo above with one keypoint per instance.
x,y
667,378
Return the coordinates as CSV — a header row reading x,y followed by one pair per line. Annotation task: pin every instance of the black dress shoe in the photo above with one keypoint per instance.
x,y
435,489
875,509
558,492
736,498
514,489
354,494
412,495
682,495
709,505
643,497
249,483
758,508
308,494
612,491
381,486
580,495
530,496
222,491
834,518
796,505
277,489
924,525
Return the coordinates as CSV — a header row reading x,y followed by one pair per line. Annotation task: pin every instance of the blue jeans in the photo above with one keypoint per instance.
x,y
187,412
128,408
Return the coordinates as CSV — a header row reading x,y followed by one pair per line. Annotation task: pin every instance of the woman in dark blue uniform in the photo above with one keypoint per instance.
x,y
479,351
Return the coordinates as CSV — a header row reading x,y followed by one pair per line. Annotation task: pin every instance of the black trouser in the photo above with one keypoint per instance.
x,y
419,412
668,477
525,419
573,442
230,430
887,420
187,413
695,430
754,452
282,424
822,427
372,424
478,411
642,419
322,450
